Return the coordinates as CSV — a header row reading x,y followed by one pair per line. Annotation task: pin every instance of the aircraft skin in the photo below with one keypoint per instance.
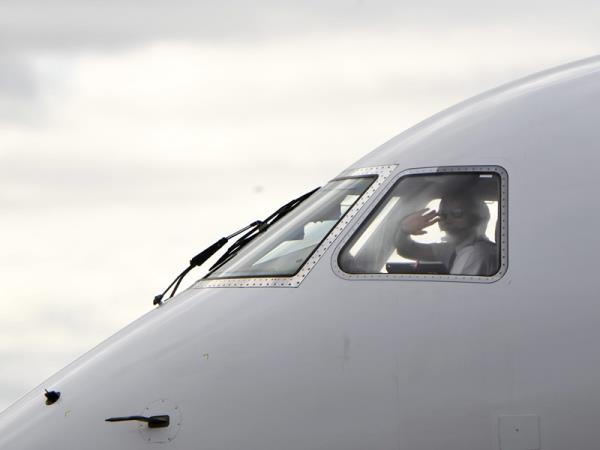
x,y
342,362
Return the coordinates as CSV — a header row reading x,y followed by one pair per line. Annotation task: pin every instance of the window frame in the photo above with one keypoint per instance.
x,y
369,213
379,175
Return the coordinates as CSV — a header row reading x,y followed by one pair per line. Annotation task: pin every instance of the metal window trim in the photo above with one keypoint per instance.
x,y
392,182
380,172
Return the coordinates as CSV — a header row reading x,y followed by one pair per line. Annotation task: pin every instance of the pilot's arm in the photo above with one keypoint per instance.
x,y
414,225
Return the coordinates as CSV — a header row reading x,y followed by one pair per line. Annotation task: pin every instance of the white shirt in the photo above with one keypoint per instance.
x,y
475,256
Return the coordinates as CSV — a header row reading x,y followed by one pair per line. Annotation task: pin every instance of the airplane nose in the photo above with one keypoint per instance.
x,y
123,379
24,424
34,424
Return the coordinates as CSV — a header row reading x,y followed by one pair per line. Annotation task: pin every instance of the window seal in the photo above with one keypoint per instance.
x,y
366,215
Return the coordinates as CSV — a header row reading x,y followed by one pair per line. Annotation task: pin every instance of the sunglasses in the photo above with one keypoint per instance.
x,y
455,213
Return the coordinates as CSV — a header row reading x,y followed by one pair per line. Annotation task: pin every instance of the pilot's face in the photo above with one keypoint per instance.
x,y
454,217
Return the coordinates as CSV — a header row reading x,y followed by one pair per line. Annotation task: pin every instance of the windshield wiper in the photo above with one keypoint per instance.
x,y
263,226
253,230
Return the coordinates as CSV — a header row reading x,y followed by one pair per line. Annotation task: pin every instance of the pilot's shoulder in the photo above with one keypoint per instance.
x,y
483,246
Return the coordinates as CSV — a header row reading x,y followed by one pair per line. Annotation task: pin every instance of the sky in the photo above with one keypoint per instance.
x,y
134,134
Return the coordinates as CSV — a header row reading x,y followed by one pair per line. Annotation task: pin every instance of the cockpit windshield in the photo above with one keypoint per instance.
x,y
282,250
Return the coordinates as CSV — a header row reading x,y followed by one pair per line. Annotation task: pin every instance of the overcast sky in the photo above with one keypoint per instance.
x,y
133,134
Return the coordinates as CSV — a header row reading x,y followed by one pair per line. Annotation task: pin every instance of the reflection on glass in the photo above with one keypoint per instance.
x,y
283,249
431,224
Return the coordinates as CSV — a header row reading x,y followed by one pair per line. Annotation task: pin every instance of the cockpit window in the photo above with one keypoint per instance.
x,y
283,249
434,224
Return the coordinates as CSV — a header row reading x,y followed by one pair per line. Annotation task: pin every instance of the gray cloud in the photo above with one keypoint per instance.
x,y
49,182
33,28
19,88
72,24
16,77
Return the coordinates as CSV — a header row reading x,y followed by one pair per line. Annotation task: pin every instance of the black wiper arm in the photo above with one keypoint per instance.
x,y
200,259
264,225
253,230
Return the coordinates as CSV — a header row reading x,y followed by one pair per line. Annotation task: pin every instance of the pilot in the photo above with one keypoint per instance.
x,y
466,249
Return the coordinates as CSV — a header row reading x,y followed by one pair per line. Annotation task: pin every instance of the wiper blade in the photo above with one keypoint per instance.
x,y
253,230
261,228
200,259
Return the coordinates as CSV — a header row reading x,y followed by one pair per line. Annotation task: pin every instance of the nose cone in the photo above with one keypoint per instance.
x,y
128,375
74,419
